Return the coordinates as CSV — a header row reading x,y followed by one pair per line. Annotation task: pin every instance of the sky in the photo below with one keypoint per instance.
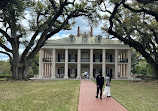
x,y
80,21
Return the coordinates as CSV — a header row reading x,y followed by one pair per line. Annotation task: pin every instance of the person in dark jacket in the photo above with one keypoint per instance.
x,y
100,83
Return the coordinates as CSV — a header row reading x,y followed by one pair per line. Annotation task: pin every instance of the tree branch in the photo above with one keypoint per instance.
x,y
5,48
6,35
53,5
31,43
141,10
6,54
132,43
155,34
45,34
146,1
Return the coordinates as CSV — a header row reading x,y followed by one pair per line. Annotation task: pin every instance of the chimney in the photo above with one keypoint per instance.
x,y
78,32
91,33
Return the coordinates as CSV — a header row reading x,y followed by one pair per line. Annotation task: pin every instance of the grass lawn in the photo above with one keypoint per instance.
x,y
136,96
59,95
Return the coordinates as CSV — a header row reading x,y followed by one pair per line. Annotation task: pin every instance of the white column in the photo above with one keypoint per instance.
x,y
53,63
121,66
129,65
124,71
91,63
103,62
66,64
116,63
41,55
79,63
44,72
120,72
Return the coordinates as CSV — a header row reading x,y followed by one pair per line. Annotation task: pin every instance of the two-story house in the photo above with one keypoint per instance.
x,y
69,57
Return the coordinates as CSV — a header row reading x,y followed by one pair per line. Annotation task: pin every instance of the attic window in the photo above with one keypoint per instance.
x,y
99,40
71,39
84,39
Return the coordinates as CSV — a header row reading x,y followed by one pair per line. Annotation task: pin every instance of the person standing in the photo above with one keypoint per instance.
x,y
100,83
87,75
107,85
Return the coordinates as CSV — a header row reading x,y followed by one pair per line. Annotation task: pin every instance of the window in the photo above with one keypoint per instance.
x,y
71,39
61,70
108,71
84,39
97,56
62,56
107,56
99,40
72,71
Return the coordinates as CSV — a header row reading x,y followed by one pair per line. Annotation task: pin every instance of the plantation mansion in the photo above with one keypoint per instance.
x,y
71,56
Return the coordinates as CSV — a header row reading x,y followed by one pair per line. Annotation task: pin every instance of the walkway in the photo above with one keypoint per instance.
x,y
88,102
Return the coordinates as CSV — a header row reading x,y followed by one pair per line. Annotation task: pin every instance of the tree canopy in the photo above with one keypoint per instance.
x,y
47,17
135,23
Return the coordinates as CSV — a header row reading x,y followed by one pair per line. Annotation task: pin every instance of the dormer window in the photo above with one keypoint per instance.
x,y
84,39
71,38
98,39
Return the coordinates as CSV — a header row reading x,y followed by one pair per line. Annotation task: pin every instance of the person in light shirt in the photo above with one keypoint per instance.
x,y
107,85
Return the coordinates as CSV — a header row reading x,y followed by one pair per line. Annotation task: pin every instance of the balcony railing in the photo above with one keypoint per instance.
x,y
85,59
47,60
60,60
97,60
123,60
110,60
72,60
120,60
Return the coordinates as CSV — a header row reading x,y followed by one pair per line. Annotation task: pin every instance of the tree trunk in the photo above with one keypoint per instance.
x,y
19,70
155,71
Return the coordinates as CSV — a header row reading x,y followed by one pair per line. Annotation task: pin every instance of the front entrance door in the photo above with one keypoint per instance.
x,y
85,70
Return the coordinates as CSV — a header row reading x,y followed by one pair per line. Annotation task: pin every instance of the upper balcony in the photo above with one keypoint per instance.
x,y
72,59
85,59
97,60
110,60
60,59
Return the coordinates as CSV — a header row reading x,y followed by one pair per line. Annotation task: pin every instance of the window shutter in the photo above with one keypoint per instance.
x,y
75,57
110,57
100,57
58,57
75,72
94,72
69,57
69,73
93,57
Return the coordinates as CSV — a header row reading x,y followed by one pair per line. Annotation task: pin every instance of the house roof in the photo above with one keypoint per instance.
x,y
79,40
